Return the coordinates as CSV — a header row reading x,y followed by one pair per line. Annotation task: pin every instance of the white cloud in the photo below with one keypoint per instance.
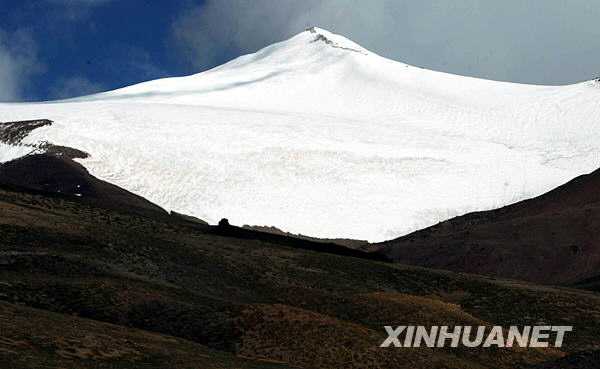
x,y
540,42
18,63
204,33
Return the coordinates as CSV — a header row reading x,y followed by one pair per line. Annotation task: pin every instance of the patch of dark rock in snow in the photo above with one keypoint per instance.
x,y
13,133
62,151
322,38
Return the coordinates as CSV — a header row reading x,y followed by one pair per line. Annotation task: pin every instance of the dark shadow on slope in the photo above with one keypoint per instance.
x,y
60,175
591,284
552,239
346,242
227,230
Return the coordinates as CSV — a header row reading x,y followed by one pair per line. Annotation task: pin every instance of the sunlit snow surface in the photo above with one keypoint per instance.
x,y
328,139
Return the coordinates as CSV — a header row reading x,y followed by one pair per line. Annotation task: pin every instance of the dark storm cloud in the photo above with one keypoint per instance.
x,y
548,42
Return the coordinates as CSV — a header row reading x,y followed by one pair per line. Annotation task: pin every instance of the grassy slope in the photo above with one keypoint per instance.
x,y
252,298
33,338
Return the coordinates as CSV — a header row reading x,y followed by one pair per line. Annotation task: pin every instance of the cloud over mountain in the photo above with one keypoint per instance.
x,y
18,62
549,43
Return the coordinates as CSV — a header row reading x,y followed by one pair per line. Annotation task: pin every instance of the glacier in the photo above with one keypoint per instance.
x,y
319,136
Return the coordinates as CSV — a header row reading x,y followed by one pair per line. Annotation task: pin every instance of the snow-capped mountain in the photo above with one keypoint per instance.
x,y
317,135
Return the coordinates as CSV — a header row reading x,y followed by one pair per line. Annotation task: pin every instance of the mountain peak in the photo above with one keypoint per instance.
x,y
334,40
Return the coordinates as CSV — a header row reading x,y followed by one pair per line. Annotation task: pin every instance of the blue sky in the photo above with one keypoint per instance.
x,y
61,48
77,47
